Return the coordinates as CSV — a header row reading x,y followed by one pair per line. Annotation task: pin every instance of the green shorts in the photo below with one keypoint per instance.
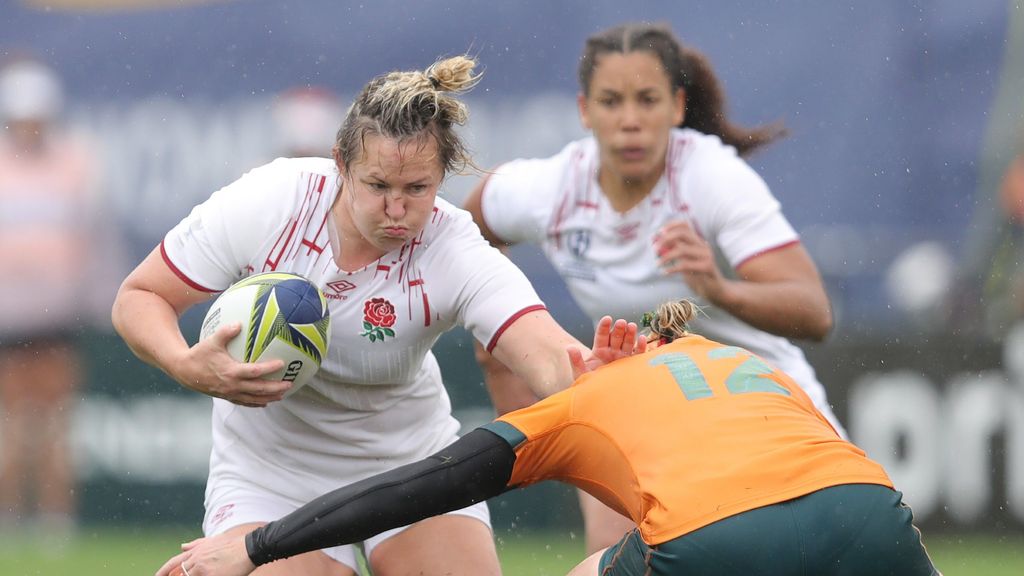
x,y
844,530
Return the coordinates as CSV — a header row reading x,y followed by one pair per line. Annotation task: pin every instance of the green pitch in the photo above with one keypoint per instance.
x,y
108,552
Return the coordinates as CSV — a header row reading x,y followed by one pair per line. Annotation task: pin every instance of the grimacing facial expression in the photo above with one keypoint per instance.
x,y
631,107
392,188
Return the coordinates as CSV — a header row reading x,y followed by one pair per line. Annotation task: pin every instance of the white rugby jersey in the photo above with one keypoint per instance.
x,y
607,258
376,402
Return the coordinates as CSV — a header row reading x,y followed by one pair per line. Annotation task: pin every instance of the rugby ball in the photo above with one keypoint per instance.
x,y
283,316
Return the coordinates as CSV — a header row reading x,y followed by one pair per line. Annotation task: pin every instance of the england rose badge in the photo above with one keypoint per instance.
x,y
378,318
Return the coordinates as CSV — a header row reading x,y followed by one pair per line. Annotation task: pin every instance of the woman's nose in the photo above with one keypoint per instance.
x,y
394,204
630,116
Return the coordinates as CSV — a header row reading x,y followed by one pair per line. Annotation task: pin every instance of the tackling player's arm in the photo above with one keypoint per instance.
x,y
145,314
476,467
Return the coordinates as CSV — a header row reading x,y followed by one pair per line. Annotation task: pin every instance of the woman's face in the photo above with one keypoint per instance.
x,y
392,188
631,108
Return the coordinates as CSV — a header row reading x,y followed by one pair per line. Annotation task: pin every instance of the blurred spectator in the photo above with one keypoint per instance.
x,y
306,119
1011,199
48,240
1011,192
991,287
987,300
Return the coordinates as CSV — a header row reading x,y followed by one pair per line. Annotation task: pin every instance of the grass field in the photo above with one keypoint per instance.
x,y
105,552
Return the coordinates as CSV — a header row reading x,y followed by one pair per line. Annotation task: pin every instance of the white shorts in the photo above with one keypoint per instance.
x,y
232,507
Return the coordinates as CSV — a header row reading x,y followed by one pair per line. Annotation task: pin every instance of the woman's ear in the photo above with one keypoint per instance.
x,y
336,154
679,114
581,104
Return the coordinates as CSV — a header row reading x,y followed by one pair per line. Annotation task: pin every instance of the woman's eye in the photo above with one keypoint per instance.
x,y
418,190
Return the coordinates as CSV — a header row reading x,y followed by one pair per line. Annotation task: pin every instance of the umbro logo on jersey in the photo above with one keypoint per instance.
x,y
222,514
627,232
338,289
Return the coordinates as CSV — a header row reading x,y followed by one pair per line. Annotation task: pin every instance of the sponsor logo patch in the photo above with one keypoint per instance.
x,y
338,289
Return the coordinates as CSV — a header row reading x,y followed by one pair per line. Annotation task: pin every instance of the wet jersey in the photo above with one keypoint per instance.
x,y
637,435
557,204
376,402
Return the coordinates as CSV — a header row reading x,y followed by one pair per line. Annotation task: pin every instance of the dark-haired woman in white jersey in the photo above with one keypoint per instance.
x,y
658,204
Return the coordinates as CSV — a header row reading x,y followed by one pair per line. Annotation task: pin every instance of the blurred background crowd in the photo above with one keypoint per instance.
x,y
903,172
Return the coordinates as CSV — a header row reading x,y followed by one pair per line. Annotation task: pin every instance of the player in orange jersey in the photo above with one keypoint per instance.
x,y
720,459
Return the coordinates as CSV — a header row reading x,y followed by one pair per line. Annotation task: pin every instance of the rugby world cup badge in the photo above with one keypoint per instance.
x,y
578,243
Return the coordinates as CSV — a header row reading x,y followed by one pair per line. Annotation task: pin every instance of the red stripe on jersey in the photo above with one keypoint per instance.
x,y
587,204
301,220
307,210
271,265
513,318
678,147
765,251
406,263
590,192
560,214
555,231
426,302
671,162
177,272
311,244
312,247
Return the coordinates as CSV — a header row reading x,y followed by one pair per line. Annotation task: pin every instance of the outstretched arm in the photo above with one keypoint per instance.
x,y
534,348
474,468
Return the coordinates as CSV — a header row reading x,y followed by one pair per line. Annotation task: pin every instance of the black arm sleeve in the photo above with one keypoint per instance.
x,y
474,468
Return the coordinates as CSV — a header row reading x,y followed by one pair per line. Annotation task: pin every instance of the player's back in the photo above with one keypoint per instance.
x,y
685,435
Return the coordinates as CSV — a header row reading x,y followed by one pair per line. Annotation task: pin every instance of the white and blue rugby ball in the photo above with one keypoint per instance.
x,y
284,316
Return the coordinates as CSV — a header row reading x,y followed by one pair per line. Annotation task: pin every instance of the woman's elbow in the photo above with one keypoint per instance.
x,y
821,325
118,314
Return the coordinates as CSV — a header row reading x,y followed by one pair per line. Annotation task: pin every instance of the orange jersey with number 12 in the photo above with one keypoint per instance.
x,y
685,435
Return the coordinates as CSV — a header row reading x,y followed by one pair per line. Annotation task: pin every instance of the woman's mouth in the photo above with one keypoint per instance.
x,y
633,153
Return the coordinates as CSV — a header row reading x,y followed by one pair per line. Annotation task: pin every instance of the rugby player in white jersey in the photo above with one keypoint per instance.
x,y
658,205
400,267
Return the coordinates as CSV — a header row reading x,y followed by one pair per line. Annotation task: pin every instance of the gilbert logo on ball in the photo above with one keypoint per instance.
x,y
284,316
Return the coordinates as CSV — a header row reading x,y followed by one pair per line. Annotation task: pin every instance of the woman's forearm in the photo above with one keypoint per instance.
x,y
474,468
792,309
149,326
